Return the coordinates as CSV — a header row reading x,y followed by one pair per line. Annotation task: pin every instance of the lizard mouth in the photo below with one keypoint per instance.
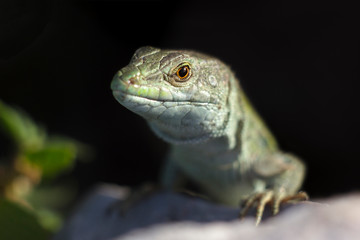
x,y
126,97
130,90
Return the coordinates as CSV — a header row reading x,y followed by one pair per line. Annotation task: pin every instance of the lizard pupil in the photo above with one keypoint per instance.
x,y
183,72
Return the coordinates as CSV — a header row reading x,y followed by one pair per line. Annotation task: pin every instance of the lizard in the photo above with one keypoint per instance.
x,y
218,141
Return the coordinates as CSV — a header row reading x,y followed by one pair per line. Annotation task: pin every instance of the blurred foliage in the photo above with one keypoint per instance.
x,y
17,222
28,207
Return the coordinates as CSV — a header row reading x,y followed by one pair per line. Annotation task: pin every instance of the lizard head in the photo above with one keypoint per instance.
x,y
183,95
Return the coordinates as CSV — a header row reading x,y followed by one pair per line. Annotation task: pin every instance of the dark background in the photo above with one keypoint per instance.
x,y
298,62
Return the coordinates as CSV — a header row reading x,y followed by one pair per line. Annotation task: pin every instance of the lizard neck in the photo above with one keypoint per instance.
x,y
244,132
223,149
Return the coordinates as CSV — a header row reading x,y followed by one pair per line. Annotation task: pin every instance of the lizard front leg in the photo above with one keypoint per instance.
x,y
282,175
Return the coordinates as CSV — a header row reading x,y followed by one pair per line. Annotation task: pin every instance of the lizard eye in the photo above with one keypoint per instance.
x,y
183,72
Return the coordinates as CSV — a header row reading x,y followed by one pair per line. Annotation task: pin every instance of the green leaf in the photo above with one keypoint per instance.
x,y
53,196
20,127
49,219
54,158
18,223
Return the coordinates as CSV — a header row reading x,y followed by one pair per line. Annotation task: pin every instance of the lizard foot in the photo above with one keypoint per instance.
x,y
272,197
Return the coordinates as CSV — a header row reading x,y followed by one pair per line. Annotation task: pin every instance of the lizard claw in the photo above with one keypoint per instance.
x,y
273,197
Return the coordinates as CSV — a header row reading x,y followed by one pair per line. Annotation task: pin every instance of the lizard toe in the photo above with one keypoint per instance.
x,y
259,200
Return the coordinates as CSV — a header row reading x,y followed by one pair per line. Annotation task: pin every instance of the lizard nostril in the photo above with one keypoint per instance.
x,y
132,81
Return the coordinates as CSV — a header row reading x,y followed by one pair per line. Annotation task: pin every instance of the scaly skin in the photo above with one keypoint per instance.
x,y
217,139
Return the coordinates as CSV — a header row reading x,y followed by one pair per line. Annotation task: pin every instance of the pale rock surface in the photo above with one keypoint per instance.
x,y
173,216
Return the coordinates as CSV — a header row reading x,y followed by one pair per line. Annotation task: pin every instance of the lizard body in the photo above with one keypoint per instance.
x,y
218,141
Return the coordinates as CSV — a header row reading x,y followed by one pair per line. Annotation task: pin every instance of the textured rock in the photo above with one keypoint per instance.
x,y
167,215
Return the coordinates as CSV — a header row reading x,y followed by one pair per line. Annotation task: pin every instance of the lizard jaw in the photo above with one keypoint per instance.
x,y
181,122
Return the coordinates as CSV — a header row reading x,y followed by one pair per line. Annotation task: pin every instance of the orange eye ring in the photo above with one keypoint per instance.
x,y
183,72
